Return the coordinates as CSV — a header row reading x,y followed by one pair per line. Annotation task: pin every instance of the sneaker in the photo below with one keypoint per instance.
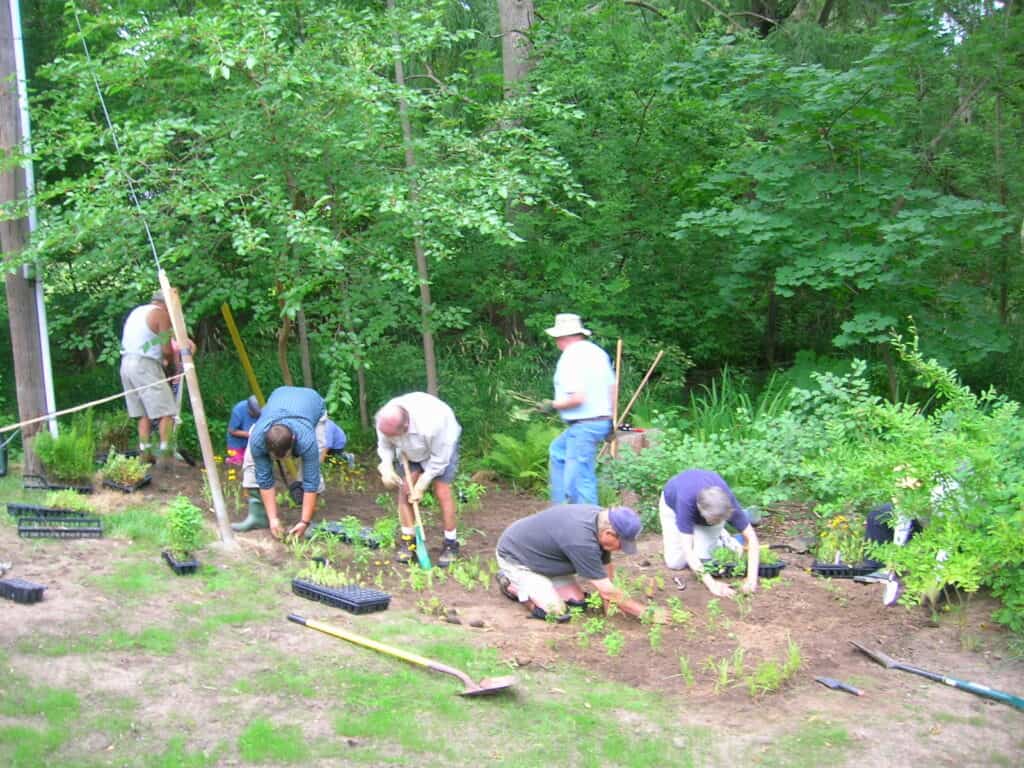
x,y
881,576
405,551
449,553
540,613
505,585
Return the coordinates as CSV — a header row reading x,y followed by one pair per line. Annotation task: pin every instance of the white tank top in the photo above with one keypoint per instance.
x,y
137,338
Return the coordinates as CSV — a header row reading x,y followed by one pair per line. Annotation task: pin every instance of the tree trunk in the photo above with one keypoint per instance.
x,y
26,343
282,351
364,413
426,305
1004,262
770,324
515,18
307,368
890,370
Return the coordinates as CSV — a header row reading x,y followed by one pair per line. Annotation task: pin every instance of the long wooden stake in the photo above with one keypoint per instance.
x,y
625,412
615,403
198,411
250,374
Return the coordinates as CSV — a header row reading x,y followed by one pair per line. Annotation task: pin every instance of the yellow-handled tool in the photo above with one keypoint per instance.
x,y
472,688
421,536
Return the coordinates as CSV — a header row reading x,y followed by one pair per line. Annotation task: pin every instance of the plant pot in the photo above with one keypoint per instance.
x,y
21,591
841,570
180,567
350,598
128,488
68,525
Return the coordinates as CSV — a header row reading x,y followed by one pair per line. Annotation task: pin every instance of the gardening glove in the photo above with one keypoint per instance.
x,y
546,407
388,476
419,489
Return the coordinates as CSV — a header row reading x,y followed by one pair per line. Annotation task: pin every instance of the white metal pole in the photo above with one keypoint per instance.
x,y
30,189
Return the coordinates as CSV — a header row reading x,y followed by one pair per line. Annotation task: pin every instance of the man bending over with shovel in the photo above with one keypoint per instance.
x,y
292,424
540,557
424,430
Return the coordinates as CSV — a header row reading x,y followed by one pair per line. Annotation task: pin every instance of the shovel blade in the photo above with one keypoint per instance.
x,y
489,685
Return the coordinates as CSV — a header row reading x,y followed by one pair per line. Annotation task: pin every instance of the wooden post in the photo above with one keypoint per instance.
x,y
250,374
198,410
615,403
26,341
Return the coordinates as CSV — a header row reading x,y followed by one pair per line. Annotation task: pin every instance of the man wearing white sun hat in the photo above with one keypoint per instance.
x,y
584,393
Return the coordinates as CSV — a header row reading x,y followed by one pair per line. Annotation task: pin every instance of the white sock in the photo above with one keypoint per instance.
x,y
143,447
163,447
450,535
408,530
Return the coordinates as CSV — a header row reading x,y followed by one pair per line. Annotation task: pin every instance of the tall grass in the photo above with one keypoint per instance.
x,y
726,407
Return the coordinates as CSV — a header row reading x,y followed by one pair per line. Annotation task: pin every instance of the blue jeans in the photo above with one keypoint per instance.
x,y
572,462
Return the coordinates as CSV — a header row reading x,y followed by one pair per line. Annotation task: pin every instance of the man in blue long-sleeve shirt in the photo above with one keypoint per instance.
x,y
292,423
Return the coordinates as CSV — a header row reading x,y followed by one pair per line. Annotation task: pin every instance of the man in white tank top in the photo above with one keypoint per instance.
x,y
145,350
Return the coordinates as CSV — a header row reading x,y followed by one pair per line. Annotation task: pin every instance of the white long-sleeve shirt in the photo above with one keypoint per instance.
x,y
432,435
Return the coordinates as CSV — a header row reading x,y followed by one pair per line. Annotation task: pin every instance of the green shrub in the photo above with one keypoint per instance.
x,y
184,529
69,457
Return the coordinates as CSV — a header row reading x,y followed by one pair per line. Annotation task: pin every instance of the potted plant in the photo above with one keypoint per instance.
x,y
125,473
184,531
68,458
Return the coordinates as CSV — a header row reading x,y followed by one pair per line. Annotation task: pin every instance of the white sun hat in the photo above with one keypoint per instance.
x,y
567,325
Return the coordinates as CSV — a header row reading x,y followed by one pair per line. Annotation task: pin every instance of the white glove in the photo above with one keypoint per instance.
x,y
419,489
388,476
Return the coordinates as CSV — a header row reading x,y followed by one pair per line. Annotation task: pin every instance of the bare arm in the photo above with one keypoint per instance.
x,y
753,559
715,587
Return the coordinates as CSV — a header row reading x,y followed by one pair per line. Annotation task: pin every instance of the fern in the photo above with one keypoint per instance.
x,y
523,459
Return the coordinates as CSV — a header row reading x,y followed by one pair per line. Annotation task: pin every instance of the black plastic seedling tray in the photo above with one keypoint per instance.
x,y
70,525
128,488
40,482
32,510
21,591
770,571
180,567
841,570
366,535
349,598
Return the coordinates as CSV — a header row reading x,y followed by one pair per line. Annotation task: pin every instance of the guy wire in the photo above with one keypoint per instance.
x,y
117,144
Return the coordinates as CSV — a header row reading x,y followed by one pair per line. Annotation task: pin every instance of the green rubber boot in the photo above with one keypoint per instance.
x,y
257,515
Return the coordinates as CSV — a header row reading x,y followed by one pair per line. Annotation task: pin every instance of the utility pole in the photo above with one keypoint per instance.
x,y
26,340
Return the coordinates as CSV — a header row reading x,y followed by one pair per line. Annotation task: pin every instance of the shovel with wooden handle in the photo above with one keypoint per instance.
x,y
976,688
471,687
421,538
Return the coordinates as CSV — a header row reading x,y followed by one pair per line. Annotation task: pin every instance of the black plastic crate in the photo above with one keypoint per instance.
x,y
39,482
34,510
181,567
21,591
350,598
842,570
726,569
124,488
70,525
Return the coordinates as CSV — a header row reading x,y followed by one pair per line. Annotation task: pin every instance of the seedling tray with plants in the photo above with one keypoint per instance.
x,y
70,525
126,488
364,535
841,570
40,482
726,563
351,598
180,567
21,591
32,510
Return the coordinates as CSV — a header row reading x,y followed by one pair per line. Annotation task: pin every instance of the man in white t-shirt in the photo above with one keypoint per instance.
x,y
584,393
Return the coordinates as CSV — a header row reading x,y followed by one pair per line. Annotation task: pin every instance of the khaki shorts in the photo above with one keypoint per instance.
x,y
543,590
249,465
157,400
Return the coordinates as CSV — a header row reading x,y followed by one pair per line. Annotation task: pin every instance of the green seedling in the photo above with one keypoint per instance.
x,y
614,642
744,604
738,657
678,613
714,614
722,670
654,636
686,671
184,527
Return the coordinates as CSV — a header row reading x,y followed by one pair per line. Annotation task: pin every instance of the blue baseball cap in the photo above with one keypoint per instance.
x,y
627,527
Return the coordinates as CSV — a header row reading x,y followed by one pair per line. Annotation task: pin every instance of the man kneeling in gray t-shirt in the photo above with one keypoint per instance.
x,y
539,557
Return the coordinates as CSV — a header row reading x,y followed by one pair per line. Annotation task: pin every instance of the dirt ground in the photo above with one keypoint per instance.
x,y
900,719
